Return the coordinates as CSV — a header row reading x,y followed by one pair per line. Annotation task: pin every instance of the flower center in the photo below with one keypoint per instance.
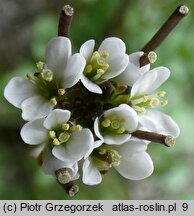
x,y
112,124
96,67
140,104
63,134
46,83
105,157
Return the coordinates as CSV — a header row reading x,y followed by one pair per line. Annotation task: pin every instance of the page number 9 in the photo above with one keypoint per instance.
x,y
185,206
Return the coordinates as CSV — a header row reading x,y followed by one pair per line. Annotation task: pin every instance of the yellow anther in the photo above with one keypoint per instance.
x,y
142,110
164,103
78,127
47,75
64,137
52,134
106,123
65,126
30,76
105,54
154,102
100,72
121,130
161,94
102,151
105,66
53,101
56,142
40,65
96,54
88,69
61,91
152,57
145,98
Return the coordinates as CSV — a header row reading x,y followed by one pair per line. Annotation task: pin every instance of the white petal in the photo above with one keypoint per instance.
x,y
117,65
34,133
57,54
73,70
113,45
90,85
35,107
76,148
19,89
116,139
97,129
150,81
91,175
135,163
87,49
136,167
133,71
97,144
156,121
56,118
52,164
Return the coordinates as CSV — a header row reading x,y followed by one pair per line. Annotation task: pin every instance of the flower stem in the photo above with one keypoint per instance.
x,y
166,140
65,21
180,12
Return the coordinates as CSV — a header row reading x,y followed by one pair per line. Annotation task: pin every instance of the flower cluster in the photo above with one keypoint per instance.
x,y
92,111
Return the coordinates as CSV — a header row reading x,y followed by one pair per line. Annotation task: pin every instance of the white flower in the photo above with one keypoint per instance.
x,y
109,61
116,124
130,159
133,71
38,94
68,142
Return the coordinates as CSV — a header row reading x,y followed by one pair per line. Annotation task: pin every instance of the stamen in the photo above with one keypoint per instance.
x,y
40,65
101,61
121,130
53,101
105,54
106,123
56,142
88,69
61,91
47,75
52,134
78,127
161,94
65,126
154,102
164,103
115,124
30,76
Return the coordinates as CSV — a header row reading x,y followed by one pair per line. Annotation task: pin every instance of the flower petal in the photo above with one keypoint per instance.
x,y
73,70
55,118
34,133
35,107
97,144
135,163
97,129
159,122
91,175
58,52
150,81
52,164
133,71
90,85
87,49
117,64
114,46
116,139
19,89
79,144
